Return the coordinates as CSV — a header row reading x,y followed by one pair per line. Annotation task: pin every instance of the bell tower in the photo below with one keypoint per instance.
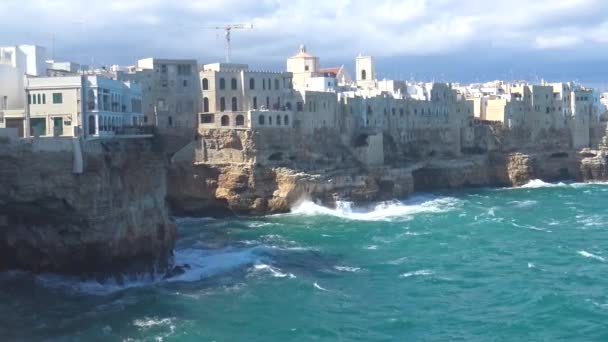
x,y
366,69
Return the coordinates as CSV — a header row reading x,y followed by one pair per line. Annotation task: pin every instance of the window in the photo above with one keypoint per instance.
x,y
255,102
43,98
269,120
288,105
267,102
252,84
233,84
39,99
306,68
240,120
261,119
207,118
286,120
170,120
299,106
185,83
363,75
205,84
264,84
393,111
234,104
276,84
29,98
163,68
206,105
222,84
57,98
278,120
225,120
222,104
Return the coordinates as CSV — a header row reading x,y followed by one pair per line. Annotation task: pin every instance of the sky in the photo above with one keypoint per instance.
x,y
444,40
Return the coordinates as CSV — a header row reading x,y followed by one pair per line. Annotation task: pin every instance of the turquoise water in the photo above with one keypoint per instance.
x,y
528,264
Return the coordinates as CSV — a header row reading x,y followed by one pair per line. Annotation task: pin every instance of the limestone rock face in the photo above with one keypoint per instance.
x,y
198,189
594,166
110,218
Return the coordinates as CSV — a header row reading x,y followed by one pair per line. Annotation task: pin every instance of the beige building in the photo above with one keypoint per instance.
x,y
171,93
233,96
303,66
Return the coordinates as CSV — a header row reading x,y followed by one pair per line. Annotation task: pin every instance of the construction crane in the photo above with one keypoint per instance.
x,y
227,32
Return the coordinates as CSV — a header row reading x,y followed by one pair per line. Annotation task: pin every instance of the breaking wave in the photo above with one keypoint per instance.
x,y
380,212
537,183
197,264
592,256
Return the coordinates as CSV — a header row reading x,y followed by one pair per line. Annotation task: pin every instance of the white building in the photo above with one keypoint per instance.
x,y
90,106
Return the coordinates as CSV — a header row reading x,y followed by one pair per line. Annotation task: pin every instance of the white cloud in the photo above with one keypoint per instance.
x,y
557,42
122,30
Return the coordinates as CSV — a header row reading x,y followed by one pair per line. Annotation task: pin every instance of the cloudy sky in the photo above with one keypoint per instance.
x,y
442,39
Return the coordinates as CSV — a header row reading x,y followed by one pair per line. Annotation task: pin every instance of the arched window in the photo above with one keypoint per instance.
x,y
286,120
39,99
267,102
269,120
363,75
288,105
278,102
233,84
206,105
234,104
276,84
240,120
251,83
222,83
261,119
278,120
222,104
225,120
205,84
92,125
255,102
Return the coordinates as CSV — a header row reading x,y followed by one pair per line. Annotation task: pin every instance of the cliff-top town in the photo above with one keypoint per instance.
x,y
46,98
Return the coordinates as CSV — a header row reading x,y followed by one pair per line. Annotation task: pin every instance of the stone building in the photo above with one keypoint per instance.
x,y
171,93
235,97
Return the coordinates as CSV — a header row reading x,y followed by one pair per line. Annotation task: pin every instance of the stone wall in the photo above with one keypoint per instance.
x,y
111,217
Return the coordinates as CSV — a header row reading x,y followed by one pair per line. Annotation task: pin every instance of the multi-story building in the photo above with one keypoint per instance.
x,y
88,106
171,93
233,96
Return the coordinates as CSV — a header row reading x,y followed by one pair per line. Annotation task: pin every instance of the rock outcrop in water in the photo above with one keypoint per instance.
x,y
111,217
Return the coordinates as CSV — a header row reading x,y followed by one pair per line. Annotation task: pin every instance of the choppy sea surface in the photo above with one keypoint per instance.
x,y
524,264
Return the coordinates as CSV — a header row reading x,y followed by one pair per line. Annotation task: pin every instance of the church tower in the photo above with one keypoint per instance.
x,y
366,69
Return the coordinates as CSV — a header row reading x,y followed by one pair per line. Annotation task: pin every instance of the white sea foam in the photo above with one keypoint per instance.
x,y
592,256
347,269
381,212
537,183
319,287
417,273
147,322
275,272
200,263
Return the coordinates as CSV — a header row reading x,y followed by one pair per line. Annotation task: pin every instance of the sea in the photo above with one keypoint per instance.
x,y
517,264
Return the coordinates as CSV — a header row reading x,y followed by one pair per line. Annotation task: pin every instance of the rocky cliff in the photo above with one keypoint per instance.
x,y
111,217
264,171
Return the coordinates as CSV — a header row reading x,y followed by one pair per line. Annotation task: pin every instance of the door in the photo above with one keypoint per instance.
x,y
57,127
37,127
15,123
